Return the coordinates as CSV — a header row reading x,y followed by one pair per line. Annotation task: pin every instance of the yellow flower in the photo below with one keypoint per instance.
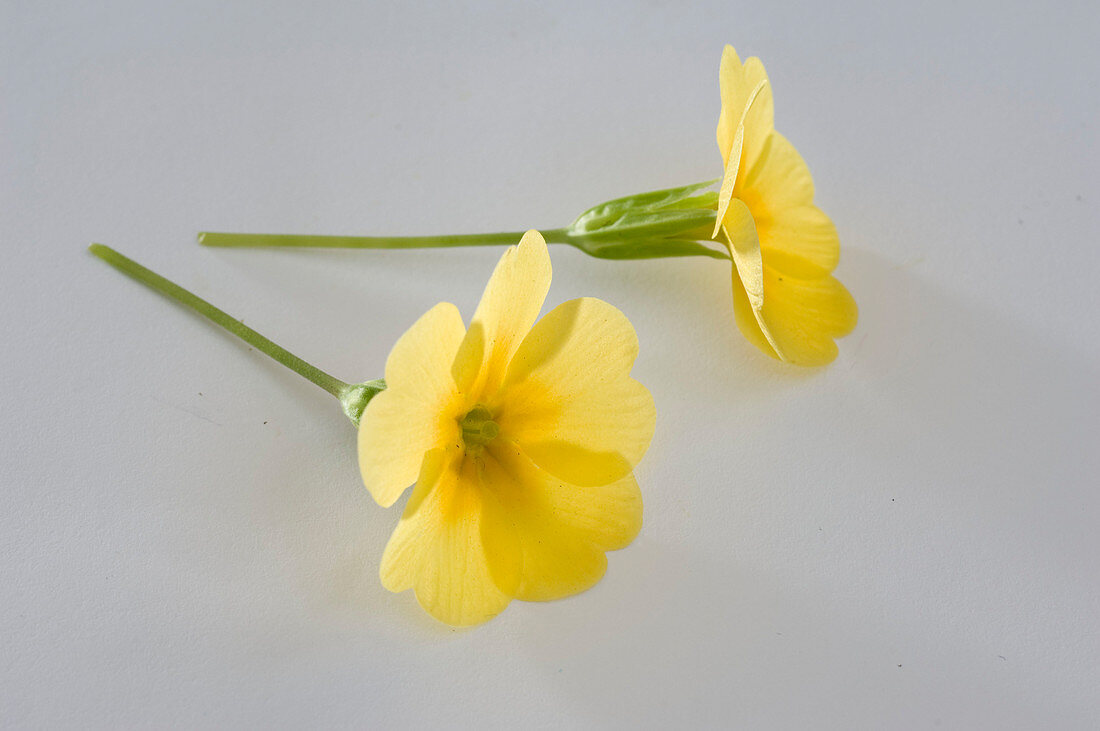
x,y
784,247
521,442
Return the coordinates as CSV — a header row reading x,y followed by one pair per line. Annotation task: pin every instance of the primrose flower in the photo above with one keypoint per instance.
x,y
763,218
520,437
521,440
784,247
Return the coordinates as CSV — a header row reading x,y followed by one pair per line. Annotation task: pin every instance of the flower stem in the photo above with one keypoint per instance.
x,y
352,396
232,240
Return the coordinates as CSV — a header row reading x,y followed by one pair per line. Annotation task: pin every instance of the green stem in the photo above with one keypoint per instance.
x,y
353,396
231,240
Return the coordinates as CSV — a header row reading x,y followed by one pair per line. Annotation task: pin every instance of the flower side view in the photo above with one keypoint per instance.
x,y
519,439
783,247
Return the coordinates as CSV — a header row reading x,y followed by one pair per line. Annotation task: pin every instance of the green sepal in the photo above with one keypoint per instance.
x,y
650,224
657,248
356,396
704,200
659,224
606,214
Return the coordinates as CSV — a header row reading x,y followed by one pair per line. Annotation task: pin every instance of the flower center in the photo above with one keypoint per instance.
x,y
478,427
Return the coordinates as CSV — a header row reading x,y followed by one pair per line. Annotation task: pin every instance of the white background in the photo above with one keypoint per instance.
x,y
905,539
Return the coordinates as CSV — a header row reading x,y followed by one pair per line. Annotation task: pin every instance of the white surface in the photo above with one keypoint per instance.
x,y
906,539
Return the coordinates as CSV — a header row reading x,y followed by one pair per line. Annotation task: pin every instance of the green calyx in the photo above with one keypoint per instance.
x,y
662,223
355,397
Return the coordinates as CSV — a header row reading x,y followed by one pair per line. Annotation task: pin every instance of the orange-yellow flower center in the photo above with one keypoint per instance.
x,y
478,428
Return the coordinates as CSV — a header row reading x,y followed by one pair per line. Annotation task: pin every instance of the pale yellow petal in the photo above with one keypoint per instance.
x,y
729,179
760,116
779,179
421,358
737,82
801,316
609,516
745,317
799,241
578,344
595,438
404,552
569,400
733,161
563,529
729,82
455,546
508,308
744,245
414,413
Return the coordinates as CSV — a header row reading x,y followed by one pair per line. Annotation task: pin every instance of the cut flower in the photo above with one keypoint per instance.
x,y
763,218
520,439
784,248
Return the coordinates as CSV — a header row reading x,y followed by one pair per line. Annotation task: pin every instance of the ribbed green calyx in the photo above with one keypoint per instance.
x,y
355,397
662,223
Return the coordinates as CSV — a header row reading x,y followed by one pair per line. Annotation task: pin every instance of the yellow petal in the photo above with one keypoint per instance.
x,y
744,245
595,439
801,316
578,344
779,179
799,241
737,82
568,398
729,81
563,529
729,179
508,308
414,413
454,545
733,161
404,552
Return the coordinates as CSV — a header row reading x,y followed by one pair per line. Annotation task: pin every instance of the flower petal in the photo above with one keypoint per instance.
x,y
563,529
405,550
580,343
454,545
733,160
508,308
413,414
799,241
737,82
729,179
800,316
779,179
744,246
568,398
